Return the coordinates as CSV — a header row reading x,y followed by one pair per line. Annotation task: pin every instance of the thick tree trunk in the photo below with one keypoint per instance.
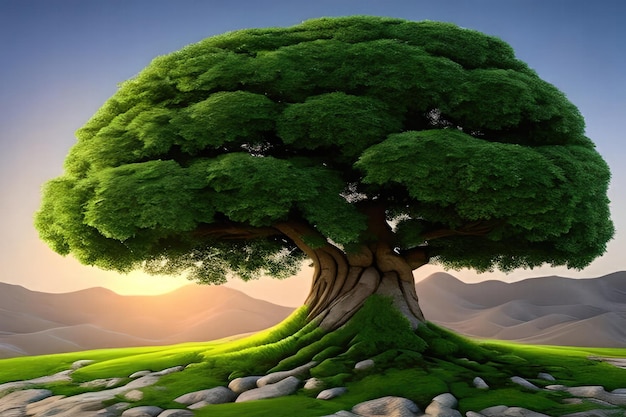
x,y
342,282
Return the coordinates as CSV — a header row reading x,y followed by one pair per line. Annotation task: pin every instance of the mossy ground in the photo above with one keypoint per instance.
x,y
417,365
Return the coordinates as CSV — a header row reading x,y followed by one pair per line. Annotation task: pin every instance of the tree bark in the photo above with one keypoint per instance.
x,y
342,282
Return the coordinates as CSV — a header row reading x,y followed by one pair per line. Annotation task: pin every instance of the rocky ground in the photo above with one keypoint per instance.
x,y
23,399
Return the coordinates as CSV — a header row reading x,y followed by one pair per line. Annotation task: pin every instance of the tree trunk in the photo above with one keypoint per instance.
x,y
342,282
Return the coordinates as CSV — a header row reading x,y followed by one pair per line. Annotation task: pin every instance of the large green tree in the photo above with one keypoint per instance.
x,y
370,146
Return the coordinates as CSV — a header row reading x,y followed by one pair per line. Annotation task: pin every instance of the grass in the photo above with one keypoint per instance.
x,y
416,365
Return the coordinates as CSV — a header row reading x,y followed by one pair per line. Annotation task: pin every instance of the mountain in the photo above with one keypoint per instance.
x,y
34,323
548,310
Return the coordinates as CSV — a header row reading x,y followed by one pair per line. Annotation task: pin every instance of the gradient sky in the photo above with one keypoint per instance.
x,y
62,59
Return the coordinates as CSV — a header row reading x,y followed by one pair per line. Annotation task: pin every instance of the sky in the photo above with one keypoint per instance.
x,y
60,60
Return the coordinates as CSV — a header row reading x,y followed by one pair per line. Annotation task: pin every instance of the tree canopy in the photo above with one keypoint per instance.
x,y
197,163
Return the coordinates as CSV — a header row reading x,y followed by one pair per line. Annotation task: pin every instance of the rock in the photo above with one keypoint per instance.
x,y
556,387
363,365
15,403
436,409
313,384
143,411
114,410
41,405
480,383
284,387
278,376
169,370
504,411
446,400
176,413
597,392
474,414
331,393
343,413
545,376
239,385
217,395
139,374
102,383
495,411
387,406
524,383
619,391
134,395
81,363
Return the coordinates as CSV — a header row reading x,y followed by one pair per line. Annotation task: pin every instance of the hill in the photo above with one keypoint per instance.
x,y
33,323
549,310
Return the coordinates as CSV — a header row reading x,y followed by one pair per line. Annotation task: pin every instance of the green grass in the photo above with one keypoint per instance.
x,y
416,365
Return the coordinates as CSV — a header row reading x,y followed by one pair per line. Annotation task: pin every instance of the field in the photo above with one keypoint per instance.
x,y
416,365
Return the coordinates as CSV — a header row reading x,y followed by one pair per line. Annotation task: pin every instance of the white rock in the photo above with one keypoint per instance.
x,y
81,363
363,365
546,376
387,406
495,411
169,370
19,399
447,400
436,409
313,384
176,413
102,383
139,374
281,388
474,414
619,391
143,411
134,395
217,395
480,383
239,385
524,383
278,376
331,393
597,392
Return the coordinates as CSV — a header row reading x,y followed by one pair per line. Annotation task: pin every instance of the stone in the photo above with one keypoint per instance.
x,y
176,413
598,393
480,383
169,370
619,391
331,393
474,414
313,384
278,376
81,364
343,413
281,388
595,413
42,405
446,400
546,376
134,395
495,411
102,383
436,409
18,400
363,365
143,411
239,385
556,387
217,395
139,374
387,406
524,383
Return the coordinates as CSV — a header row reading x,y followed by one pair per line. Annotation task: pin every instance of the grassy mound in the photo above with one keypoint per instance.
x,y
413,364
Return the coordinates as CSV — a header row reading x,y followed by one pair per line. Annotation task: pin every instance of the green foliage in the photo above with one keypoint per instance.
x,y
190,166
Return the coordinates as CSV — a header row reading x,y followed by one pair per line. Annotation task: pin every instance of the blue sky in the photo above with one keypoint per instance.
x,y
61,60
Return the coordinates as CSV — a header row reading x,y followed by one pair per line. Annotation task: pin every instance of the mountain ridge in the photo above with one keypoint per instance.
x,y
546,310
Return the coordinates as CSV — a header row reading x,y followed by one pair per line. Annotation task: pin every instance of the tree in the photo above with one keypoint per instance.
x,y
370,146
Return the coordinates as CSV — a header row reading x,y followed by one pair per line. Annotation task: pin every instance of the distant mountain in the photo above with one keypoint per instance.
x,y
549,310
33,323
